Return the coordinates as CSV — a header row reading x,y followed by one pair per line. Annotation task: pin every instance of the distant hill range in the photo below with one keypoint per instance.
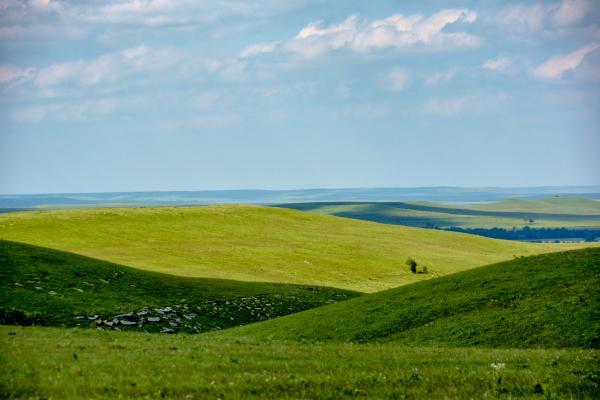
x,y
438,194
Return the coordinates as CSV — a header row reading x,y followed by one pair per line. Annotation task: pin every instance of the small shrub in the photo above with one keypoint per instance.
x,y
20,317
412,264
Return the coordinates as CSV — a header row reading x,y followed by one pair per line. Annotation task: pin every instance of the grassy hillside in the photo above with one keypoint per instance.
x,y
554,205
251,243
549,300
49,287
70,363
574,213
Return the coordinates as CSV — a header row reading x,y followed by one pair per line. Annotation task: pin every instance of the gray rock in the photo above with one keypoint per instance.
x,y
93,317
127,315
142,313
167,330
127,323
153,319
173,324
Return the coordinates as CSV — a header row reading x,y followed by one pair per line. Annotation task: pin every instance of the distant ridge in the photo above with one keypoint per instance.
x,y
440,194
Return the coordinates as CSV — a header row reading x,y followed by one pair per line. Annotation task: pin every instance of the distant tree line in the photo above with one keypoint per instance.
x,y
527,233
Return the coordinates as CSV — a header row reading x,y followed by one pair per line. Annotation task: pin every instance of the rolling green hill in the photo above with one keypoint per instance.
x,y
53,288
550,205
251,243
573,213
548,300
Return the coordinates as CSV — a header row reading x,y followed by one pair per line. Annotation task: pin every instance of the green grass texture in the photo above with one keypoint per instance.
x,y
53,288
549,300
264,244
76,363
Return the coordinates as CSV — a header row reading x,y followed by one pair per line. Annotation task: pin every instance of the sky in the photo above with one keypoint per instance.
x,y
136,95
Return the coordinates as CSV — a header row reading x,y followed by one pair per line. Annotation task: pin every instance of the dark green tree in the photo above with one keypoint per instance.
x,y
412,265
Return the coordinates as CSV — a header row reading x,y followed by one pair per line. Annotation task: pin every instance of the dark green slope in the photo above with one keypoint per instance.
x,y
550,300
49,287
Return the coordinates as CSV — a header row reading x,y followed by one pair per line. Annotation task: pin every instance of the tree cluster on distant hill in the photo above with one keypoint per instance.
x,y
528,233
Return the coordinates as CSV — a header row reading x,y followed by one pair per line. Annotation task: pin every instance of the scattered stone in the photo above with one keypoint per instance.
x,y
127,315
93,317
153,319
173,324
142,313
80,317
127,323
167,330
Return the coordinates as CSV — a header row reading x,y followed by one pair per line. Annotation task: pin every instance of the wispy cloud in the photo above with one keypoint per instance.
x,y
397,80
556,66
64,111
259,48
396,31
472,103
503,64
108,67
10,73
528,18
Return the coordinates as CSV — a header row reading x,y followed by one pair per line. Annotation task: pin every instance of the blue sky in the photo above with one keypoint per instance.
x,y
133,95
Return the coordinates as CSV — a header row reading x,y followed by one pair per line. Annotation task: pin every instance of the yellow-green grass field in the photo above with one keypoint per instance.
x,y
252,243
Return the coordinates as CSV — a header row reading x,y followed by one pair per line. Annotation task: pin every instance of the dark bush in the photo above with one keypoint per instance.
x,y
20,317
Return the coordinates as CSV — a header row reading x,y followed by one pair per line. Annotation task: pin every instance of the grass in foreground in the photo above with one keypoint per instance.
x,y
250,243
49,287
72,363
550,300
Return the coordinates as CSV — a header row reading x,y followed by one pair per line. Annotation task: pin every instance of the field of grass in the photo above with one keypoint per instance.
x,y
251,243
549,300
550,205
54,288
75,363
573,213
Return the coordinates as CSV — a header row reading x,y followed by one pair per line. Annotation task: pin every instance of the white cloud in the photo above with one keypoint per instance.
x,y
395,31
439,78
556,66
259,48
570,11
505,65
397,80
525,19
10,73
66,111
108,67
